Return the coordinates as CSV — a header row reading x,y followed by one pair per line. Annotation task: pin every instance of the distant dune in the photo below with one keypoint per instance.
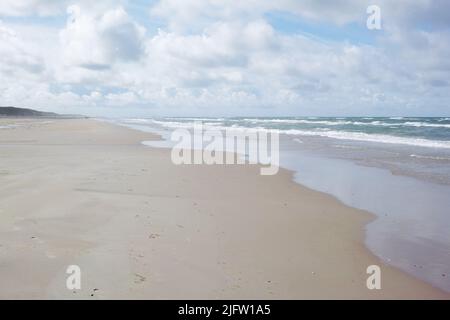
x,y
23,112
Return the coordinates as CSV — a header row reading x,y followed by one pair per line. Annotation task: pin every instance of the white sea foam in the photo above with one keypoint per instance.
x,y
380,138
425,124
429,157
137,121
173,124
342,135
341,122
194,119
299,121
404,124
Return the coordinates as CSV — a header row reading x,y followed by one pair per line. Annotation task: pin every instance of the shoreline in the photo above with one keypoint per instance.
x,y
169,231
414,251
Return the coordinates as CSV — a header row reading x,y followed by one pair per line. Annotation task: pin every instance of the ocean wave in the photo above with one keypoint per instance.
x,y
426,124
138,120
298,121
324,132
429,157
173,124
310,121
348,122
380,138
404,124
194,119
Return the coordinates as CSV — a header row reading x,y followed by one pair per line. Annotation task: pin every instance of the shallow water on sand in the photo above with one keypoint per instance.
x,y
413,217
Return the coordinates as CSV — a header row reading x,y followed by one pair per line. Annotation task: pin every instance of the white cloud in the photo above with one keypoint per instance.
x,y
213,57
180,14
16,56
95,41
46,8
30,7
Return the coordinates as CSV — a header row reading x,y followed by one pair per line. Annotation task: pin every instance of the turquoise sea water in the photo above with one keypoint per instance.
x,y
432,132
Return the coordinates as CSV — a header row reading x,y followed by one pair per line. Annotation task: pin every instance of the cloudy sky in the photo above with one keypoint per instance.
x,y
224,58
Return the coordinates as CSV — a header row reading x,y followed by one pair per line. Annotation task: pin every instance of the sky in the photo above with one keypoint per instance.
x,y
124,58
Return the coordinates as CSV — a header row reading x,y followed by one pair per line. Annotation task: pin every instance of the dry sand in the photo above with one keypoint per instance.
x,y
88,193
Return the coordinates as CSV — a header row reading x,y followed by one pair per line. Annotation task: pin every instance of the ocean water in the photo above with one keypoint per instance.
x,y
395,167
426,132
412,146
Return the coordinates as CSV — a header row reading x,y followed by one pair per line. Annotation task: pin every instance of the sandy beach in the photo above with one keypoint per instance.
x,y
87,193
